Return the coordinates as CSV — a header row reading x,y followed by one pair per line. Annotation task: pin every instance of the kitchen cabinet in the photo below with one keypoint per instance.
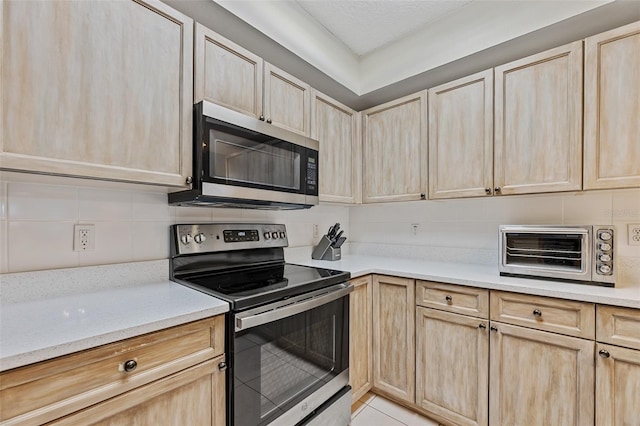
x,y
395,150
452,366
461,137
97,89
612,109
231,76
538,123
147,376
337,128
394,337
617,385
360,336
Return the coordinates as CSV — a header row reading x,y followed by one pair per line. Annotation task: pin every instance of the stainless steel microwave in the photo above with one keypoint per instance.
x,y
241,161
563,252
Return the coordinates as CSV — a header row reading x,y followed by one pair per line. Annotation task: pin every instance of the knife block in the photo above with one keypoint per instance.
x,y
324,251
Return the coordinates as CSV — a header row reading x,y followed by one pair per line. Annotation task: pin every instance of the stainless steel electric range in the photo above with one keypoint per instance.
x,y
287,332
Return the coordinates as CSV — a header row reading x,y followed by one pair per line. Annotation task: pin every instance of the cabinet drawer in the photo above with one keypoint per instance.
x,y
618,326
453,298
48,390
544,313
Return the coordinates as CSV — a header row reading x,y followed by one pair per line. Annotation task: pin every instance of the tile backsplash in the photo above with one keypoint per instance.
x,y
131,221
37,220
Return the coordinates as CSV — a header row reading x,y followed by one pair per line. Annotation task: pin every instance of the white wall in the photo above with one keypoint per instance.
x,y
472,223
132,223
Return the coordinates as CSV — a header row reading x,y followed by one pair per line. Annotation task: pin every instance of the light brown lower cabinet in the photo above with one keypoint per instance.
x,y
617,386
192,397
452,366
360,337
539,378
394,354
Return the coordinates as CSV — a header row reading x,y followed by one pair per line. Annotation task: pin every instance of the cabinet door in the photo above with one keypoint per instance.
x,y
97,89
395,150
360,336
336,126
394,336
538,122
612,109
287,101
461,137
227,74
192,397
540,378
617,386
452,366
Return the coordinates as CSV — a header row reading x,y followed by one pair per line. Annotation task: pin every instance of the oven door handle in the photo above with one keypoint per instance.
x,y
265,314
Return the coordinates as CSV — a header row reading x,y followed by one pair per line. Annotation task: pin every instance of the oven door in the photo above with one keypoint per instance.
x,y
289,358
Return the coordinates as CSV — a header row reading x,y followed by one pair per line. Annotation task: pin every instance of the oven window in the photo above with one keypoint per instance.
x,y
246,158
278,364
549,250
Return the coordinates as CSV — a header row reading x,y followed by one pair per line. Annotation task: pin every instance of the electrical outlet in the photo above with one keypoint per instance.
x,y
84,237
634,234
414,229
316,231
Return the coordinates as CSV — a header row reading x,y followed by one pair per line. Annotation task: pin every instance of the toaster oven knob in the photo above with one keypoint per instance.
x,y
267,235
200,238
604,258
186,238
605,246
282,235
604,269
274,235
605,235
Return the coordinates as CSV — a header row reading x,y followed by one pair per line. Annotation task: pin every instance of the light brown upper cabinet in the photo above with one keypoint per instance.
x,y
395,150
233,77
337,127
538,123
461,137
97,89
612,109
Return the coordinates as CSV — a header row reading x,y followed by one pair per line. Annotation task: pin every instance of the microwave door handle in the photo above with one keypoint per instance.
x,y
251,321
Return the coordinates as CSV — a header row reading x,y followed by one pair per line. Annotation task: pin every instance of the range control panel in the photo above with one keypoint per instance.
x,y
215,237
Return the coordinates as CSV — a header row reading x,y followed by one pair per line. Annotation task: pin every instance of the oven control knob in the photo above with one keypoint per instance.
x,y
605,235
200,238
604,269
605,247
274,235
604,258
282,235
267,235
186,238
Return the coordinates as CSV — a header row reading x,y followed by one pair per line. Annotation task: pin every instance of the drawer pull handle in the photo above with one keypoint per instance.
x,y
488,191
130,365
449,299
604,353
537,313
494,329
222,366
482,326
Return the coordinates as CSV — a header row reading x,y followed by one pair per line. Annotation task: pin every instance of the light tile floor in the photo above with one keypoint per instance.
x,y
374,410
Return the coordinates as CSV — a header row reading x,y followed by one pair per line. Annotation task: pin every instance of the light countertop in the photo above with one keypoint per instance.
x,y
481,276
60,322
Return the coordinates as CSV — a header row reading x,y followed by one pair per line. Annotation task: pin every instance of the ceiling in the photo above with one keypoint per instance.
x,y
364,26
367,45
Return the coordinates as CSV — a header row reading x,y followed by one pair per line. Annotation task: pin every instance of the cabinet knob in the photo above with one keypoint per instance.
x,y
189,180
494,329
130,365
222,366
261,118
269,120
449,299
423,196
488,191
604,353
537,313
482,326
497,189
